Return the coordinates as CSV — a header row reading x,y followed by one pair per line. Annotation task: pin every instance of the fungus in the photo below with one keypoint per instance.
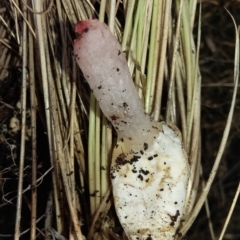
x,y
149,169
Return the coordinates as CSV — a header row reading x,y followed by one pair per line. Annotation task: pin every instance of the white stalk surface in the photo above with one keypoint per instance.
x,y
149,169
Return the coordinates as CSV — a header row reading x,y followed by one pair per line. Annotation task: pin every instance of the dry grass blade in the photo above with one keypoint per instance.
x,y
230,212
154,52
34,137
23,128
206,189
24,17
60,142
42,43
159,84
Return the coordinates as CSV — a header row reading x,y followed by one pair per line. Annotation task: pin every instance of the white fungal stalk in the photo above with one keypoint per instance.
x,y
149,169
